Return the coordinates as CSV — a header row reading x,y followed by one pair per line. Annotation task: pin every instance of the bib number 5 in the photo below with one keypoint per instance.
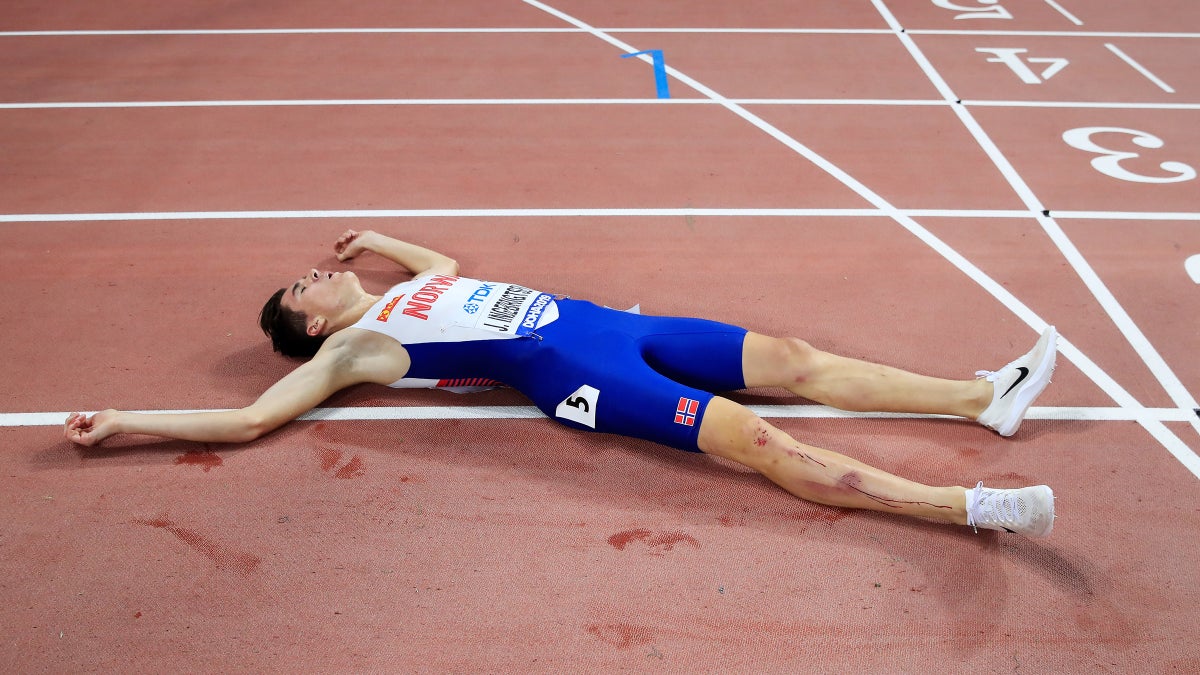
x,y
1109,160
580,406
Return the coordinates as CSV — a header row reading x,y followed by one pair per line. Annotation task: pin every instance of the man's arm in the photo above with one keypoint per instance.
x,y
301,390
416,259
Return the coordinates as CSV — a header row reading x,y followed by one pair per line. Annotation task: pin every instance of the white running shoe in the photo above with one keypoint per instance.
x,y
1018,384
1028,511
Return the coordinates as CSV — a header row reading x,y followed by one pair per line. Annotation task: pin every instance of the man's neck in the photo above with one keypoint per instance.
x,y
355,312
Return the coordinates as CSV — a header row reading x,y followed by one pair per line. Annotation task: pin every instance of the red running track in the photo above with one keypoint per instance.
x,y
481,544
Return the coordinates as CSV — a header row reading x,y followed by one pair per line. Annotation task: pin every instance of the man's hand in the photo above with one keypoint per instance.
x,y
416,259
90,431
351,243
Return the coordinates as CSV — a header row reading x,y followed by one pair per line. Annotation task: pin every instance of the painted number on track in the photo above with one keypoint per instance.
x,y
1193,267
1020,65
1109,160
988,9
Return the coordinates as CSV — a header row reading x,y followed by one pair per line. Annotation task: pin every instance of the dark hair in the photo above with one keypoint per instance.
x,y
287,329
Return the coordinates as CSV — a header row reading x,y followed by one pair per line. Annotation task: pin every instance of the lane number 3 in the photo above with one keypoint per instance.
x,y
1109,161
995,11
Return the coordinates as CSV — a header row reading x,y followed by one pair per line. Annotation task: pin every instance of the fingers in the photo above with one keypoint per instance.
x,y
77,429
346,248
344,240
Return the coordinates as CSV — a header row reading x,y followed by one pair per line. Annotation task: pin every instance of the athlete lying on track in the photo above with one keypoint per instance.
x,y
595,368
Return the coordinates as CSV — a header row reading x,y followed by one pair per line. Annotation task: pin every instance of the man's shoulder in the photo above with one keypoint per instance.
x,y
367,356
361,341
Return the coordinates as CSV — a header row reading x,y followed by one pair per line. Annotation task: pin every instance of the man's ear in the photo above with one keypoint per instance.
x,y
315,325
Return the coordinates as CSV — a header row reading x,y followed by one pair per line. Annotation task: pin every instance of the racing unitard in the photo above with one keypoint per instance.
x,y
586,366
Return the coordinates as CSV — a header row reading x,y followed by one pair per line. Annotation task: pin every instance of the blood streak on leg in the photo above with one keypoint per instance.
x,y
852,480
798,452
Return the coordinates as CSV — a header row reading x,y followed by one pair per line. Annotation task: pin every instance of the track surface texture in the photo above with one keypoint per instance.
x,y
923,183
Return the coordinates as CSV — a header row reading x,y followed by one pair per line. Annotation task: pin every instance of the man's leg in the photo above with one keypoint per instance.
x,y
850,384
734,432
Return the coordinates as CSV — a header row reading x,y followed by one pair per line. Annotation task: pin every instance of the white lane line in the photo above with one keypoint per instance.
x,y
273,31
588,213
1062,10
1139,67
1051,33
1149,355
317,102
1099,105
1126,215
759,31
336,102
461,213
1069,414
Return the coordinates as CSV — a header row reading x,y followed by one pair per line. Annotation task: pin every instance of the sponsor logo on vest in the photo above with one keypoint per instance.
x,y
535,311
387,309
502,314
422,301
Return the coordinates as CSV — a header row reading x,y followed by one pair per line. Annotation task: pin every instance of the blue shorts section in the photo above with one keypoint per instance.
x,y
653,376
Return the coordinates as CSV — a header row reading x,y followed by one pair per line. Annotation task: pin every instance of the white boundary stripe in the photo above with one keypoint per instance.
x,y
273,31
1150,356
335,102
751,31
1139,67
1098,105
1061,10
1125,215
316,102
1051,33
51,419
587,213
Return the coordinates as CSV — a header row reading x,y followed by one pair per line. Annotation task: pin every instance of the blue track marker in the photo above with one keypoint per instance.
x,y
660,71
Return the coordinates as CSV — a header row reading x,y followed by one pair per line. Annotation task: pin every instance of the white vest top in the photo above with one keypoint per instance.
x,y
441,308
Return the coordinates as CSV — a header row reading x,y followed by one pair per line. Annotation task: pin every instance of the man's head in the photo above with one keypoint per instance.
x,y
299,318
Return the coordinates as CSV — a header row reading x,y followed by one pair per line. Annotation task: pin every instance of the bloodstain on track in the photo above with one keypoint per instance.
x,y
658,543
223,556
621,635
331,463
207,459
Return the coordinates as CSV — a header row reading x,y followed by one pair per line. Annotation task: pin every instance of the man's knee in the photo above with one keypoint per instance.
x,y
735,432
780,362
797,360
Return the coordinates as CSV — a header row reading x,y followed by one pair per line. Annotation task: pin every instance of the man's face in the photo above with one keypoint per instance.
x,y
322,293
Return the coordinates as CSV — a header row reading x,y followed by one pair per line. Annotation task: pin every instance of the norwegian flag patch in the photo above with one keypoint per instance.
x,y
685,412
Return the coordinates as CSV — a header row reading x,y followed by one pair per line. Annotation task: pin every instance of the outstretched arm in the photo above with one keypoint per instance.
x,y
416,259
301,390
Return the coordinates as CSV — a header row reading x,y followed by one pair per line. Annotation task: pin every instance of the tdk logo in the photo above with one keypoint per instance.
x,y
482,292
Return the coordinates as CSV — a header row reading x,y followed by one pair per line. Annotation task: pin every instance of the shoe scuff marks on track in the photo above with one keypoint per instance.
x,y
206,459
621,635
658,542
225,557
331,463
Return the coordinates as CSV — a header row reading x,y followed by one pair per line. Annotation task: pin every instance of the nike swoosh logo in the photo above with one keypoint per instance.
x,y
1024,374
